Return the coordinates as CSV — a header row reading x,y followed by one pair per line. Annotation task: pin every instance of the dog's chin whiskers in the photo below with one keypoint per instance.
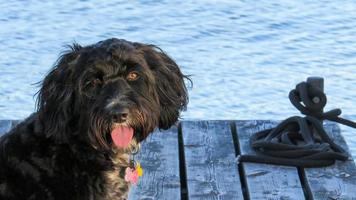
x,y
132,148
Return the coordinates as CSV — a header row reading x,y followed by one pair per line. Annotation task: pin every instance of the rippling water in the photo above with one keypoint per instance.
x,y
244,56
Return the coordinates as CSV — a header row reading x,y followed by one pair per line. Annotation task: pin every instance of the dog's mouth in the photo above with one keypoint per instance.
x,y
122,135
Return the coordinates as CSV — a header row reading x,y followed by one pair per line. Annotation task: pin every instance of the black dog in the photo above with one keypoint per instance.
x,y
94,107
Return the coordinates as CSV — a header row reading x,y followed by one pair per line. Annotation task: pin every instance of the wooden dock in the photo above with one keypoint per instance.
x,y
197,160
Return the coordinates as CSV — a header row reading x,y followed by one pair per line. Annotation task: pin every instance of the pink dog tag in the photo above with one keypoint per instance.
x,y
122,136
131,175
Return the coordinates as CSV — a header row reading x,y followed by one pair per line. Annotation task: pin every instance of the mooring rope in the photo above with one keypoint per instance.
x,y
300,141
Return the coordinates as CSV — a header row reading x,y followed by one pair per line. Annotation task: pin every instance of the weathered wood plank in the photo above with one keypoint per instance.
x,y
160,161
5,126
211,169
337,181
266,181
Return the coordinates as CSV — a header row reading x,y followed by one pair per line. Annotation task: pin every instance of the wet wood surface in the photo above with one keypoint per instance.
x,y
210,163
337,181
266,181
159,159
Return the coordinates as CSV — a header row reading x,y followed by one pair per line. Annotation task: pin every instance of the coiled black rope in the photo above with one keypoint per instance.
x,y
300,141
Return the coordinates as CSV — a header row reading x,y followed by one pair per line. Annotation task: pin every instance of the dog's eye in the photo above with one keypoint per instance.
x,y
132,76
95,82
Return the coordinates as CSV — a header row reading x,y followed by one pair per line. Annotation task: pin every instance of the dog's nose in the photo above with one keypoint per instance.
x,y
120,115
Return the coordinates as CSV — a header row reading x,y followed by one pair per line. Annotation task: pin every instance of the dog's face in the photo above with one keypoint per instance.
x,y
112,85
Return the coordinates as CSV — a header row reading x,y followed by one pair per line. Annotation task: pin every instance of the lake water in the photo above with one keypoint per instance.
x,y
244,56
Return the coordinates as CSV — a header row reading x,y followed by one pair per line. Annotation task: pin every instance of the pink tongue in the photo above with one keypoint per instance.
x,y
122,136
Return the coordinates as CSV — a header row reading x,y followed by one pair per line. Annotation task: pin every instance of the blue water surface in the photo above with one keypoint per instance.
x,y
244,56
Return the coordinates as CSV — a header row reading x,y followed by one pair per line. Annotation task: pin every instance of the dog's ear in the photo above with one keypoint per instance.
x,y
55,102
170,85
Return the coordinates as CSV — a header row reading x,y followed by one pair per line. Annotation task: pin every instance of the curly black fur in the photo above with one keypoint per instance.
x,y
64,150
